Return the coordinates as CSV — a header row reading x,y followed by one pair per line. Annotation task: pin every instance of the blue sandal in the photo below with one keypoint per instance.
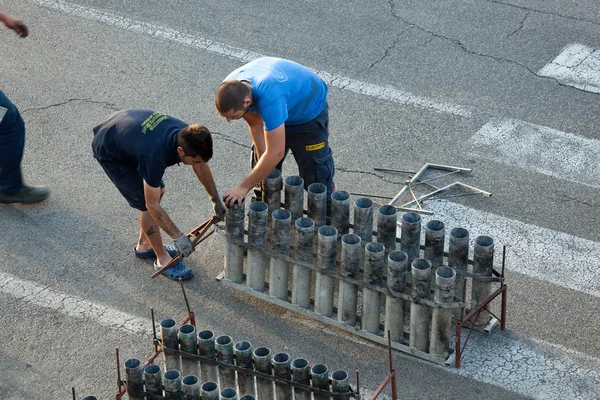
x,y
176,272
150,253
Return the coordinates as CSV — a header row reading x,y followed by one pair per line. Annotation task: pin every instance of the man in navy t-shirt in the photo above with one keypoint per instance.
x,y
135,147
285,107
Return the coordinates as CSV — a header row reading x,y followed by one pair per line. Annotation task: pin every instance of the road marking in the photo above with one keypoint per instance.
x,y
387,93
529,247
577,65
539,148
504,360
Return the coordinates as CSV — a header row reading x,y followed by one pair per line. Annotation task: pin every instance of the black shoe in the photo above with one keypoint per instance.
x,y
27,195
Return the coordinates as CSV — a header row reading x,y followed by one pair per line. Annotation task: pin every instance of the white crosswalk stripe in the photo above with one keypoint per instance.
x,y
577,65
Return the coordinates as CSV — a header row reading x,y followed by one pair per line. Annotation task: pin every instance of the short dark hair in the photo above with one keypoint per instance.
x,y
230,96
196,140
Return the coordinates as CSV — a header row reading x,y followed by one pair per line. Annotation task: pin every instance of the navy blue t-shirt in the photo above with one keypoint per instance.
x,y
143,139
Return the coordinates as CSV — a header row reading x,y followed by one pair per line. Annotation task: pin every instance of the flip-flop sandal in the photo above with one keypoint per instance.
x,y
176,271
150,253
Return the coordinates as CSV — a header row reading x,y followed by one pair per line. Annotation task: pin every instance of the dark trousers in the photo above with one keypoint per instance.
x,y
309,143
12,143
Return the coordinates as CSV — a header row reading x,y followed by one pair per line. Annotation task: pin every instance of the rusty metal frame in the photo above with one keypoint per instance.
x,y
390,378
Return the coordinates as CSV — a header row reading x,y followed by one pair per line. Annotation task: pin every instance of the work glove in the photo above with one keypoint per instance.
x,y
218,207
184,245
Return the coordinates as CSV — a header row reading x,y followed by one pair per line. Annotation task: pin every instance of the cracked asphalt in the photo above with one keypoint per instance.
x,y
411,83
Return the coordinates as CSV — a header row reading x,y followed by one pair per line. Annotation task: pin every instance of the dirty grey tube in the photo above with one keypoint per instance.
x,y
281,369
339,383
243,358
441,318
326,257
301,374
172,384
280,243
153,379
394,306
229,394
206,348
168,334
340,211
373,274
319,375
272,186
363,223
350,262
410,237
190,386
225,355
234,254
262,363
419,314
258,219
458,258
435,232
303,251
135,379
387,218
317,203
188,344
294,196
483,264
209,390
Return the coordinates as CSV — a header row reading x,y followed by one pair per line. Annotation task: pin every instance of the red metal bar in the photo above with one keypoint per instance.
x,y
381,386
120,388
394,396
503,307
357,383
457,349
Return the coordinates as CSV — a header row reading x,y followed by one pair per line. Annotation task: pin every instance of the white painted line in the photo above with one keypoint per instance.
x,y
529,247
577,65
387,93
539,148
73,306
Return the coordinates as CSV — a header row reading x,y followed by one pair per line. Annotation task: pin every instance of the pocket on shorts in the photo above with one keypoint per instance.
x,y
324,167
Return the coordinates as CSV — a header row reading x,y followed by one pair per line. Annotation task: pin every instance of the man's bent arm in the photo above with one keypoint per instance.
x,y
159,215
204,174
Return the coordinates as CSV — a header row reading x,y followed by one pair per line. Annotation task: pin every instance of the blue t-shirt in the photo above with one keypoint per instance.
x,y
282,91
143,139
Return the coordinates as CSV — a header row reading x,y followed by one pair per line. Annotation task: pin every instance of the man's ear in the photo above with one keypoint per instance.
x,y
180,151
247,101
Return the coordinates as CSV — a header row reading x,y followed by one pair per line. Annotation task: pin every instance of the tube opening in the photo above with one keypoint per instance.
x,y
206,335
282,214
374,247
190,380
228,393
167,323
172,374
363,202
258,206
435,225
351,238
247,397
319,369
327,231
281,357
304,222
152,369
484,241
421,263
223,340
262,352
132,363
187,329
446,272
294,181
339,375
387,210
340,195
398,256
300,363
317,188
242,346
209,386
459,233
411,218
274,174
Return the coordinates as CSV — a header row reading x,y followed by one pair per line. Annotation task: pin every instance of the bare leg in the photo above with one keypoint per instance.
x,y
150,237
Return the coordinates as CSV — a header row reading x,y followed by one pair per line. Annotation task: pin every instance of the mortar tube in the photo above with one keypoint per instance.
x,y
209,390
363,223
441,318
410,237
458,258
190,386
243,358
349,267
373,274
234,254
281,369
169,339
303,251
272,186
320,379
387,218
225,355
483,264
419,314
294,196
280,243
394,306
340,211
228,394
188,344
135,380
262,363
339,383
326,259
153,379
90,398
206,348
257,235
301,374
248,397
435,232
172,384
317,204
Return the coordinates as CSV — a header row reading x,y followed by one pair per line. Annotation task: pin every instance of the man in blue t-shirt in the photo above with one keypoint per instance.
x,y
135,147
285,107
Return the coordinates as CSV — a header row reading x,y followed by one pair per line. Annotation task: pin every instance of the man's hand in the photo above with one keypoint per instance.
x,y
16,25
218,207
184,245
237,194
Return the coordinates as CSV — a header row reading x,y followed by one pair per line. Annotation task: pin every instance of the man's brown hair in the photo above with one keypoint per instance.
x,y
196,140
230,96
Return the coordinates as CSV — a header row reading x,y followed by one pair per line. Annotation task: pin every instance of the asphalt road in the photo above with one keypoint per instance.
x,y
409,84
